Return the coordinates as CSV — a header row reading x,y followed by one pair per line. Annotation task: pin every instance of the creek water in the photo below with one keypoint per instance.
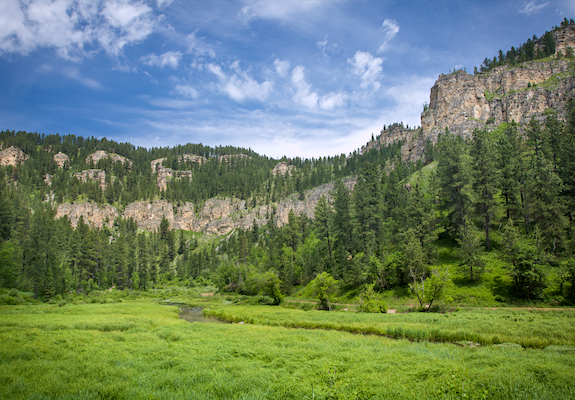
x,y
195,315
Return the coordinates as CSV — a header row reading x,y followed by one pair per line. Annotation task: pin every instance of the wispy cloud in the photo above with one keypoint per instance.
x,y
532,7
73,28
367,68
390,28
168,59
306,97
239,85
74,73
279,9
282,67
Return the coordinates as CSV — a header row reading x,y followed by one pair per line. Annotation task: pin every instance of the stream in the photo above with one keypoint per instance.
x,y
195,315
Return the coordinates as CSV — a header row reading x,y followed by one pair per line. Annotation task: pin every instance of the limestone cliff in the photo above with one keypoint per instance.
x,y
93,214
217,216
92,174
12,156
283,168
462,102
61,159
100,154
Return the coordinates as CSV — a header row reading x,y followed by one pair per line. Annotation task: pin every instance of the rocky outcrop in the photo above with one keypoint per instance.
x,y
564,38
61,159
48,179
392,134
93,214
164,173
229,157
92,174
461,102
12,156
100,154
307,206
185,157
283,168
217,216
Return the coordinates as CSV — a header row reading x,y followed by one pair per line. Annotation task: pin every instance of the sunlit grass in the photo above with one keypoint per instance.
x,y
140,349
527,328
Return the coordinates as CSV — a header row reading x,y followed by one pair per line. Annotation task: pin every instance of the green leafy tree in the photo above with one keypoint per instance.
x,y
470,250
431,289
324,287
367,210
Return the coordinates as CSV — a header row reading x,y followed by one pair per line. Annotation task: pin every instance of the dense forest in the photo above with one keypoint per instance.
x,y
507,194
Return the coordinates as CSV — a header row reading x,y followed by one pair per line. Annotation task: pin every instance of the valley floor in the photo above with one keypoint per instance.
x,y
141,349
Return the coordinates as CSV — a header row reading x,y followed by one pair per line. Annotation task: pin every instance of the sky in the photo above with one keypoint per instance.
x,y
295,78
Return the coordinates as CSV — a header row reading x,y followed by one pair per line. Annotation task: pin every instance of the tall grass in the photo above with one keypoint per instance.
x,y
528,328
139,349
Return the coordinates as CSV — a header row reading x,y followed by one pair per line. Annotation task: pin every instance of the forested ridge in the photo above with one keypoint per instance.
x,y
493,213
507,196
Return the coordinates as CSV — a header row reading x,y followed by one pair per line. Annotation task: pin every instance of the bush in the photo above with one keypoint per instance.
x,y
62,303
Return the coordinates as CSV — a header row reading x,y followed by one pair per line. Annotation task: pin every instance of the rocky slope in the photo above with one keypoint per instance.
x,y
462,102
12,156
216,216
100,154
61,159
283,168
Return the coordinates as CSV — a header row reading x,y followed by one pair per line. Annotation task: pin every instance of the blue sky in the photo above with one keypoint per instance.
x,y
306,78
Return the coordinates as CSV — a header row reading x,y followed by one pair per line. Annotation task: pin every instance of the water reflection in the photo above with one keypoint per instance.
x,y
195,315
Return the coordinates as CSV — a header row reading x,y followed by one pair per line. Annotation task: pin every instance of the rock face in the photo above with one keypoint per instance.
x,y
61,159
307,207
94,215
564,38
92,174
229,157
283,168
100,154
12,156
164,173
217,216
186,157
48,179
462,102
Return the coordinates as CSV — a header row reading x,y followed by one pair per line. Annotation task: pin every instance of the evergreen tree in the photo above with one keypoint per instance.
x,y
367,210
455,178
485,178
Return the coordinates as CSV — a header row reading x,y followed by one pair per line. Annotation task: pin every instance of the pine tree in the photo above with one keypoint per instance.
x,y
455,178
367,210
485,178
323,221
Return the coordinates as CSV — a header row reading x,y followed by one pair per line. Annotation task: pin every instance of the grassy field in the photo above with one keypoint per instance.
x,y
139,349
527,328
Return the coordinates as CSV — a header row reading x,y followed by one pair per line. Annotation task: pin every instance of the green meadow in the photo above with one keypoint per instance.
x,y
526,328
140,349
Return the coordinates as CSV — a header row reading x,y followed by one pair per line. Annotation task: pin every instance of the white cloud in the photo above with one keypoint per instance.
x,y
187,91
279,9
332,100
367,68
169,59
390,28
73,73
309,99
408,98
71,26
198,46
282,67
163,3
239,85
532,7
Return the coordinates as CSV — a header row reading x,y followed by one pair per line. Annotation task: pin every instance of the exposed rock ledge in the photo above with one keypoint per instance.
x,y
217,216
12,156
